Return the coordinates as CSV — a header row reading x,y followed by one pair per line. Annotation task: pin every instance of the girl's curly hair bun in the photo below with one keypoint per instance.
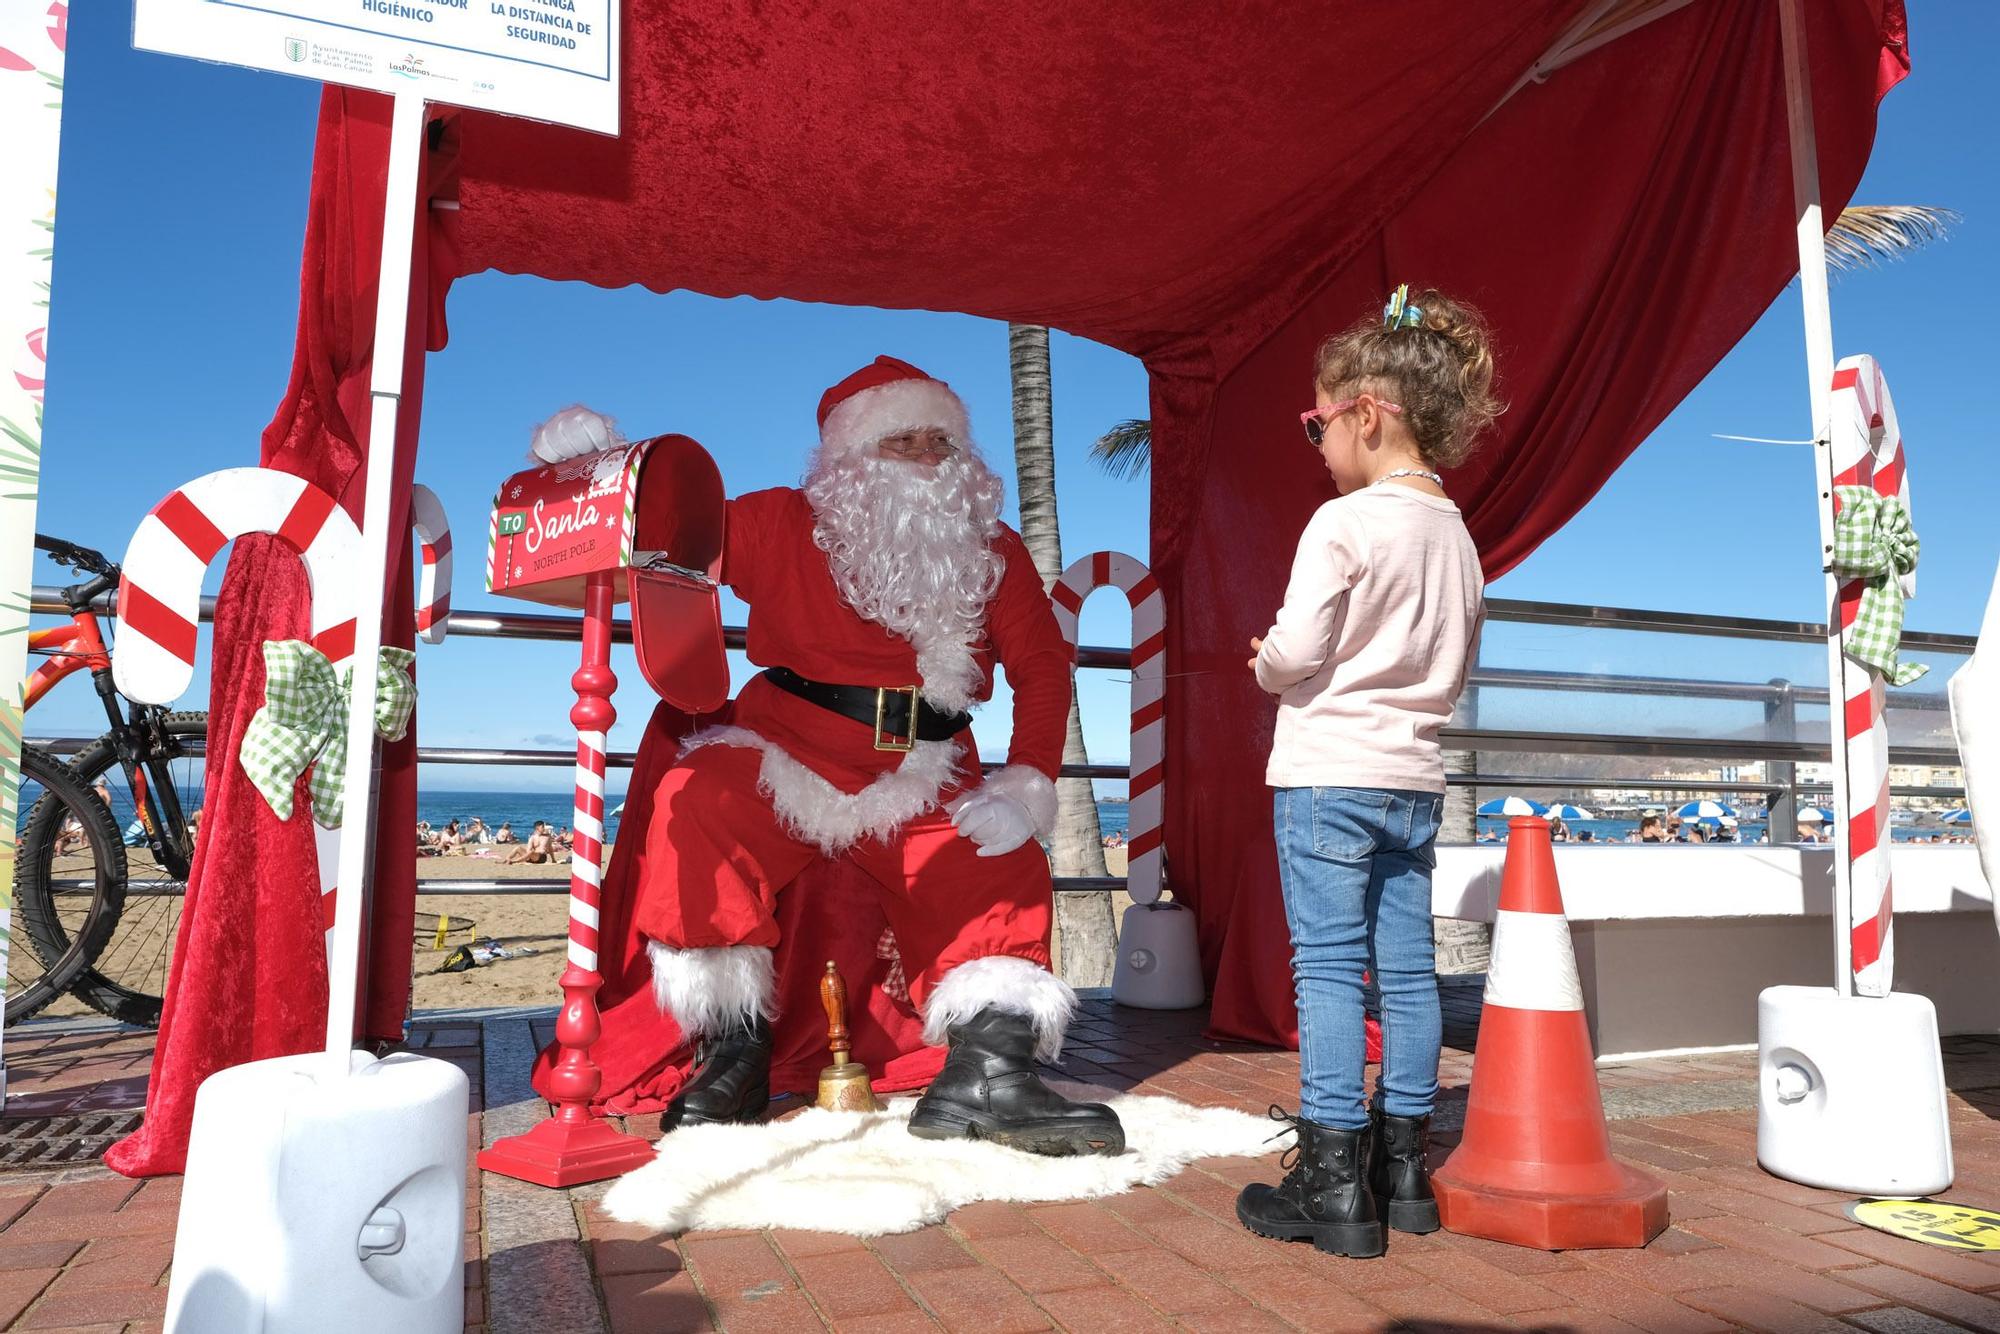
x,y
1440,370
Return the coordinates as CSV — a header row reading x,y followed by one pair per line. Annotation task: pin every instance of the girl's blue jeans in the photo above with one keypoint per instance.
x,y
1355,866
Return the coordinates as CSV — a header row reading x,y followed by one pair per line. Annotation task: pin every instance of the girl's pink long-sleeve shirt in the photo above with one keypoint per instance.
x,y
1379,630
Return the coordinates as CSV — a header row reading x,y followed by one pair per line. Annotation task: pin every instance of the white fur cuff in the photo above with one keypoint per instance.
x,y
887,409
1000,981
814,811
1033,789
713,990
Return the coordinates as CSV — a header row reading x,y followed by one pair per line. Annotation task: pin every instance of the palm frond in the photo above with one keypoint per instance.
x,y
1867,235
1126,450
20,435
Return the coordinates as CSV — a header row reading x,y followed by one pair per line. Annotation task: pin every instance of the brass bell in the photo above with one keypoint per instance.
x,y
843,1086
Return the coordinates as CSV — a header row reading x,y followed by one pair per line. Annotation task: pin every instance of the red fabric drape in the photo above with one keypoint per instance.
x,y
1617,273
249,970
1214,197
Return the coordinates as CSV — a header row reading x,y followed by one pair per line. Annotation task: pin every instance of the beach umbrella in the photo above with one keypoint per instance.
x,y
1959,816
1512,806
1814,815
1708,812
1563,811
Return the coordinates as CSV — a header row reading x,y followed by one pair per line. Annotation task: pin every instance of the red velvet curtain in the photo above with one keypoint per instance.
x,y
1617,271
249,971
1213,193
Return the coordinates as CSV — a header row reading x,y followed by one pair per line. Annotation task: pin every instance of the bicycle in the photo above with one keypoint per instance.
x,y
89,843
148,769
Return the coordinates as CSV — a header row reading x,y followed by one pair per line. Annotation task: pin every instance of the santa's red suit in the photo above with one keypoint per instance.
x,y
789,783
887,578
750,806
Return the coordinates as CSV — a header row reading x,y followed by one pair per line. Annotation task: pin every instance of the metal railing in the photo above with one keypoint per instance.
x,y
1780,699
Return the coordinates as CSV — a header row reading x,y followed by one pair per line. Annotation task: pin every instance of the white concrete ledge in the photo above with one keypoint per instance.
x,y
1613,882
1673,943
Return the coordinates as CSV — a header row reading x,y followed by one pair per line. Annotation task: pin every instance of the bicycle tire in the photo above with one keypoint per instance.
x,y
128,979
65,949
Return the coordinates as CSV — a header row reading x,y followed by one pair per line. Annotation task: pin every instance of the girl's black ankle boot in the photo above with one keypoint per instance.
x,y
1324,1197
1401,1186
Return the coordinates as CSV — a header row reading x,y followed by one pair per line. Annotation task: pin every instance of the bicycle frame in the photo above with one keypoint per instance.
x,y
79,646
74,647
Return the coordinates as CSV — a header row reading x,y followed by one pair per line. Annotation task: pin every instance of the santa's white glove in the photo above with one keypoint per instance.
x,y
995,821
572,432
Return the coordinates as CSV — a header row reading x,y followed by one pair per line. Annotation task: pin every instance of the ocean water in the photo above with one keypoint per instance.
x,y
522,809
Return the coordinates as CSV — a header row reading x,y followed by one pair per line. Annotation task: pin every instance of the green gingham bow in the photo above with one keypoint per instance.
x,y
1873,541
304,721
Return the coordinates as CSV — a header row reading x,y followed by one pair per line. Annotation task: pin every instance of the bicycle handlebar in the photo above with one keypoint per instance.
x,y
80,596
81,559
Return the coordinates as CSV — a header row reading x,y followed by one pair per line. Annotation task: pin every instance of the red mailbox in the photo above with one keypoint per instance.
x,y
649,518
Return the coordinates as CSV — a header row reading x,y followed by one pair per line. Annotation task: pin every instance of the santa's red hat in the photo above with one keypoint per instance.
x,y
885,397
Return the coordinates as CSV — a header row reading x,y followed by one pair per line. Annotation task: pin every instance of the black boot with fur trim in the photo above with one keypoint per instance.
x,y
989,1090
731,1080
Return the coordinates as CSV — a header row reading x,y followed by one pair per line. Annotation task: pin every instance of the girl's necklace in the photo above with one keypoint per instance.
x,y
1409,472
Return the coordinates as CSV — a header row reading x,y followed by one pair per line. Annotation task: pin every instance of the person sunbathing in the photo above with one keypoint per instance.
x,y
539,848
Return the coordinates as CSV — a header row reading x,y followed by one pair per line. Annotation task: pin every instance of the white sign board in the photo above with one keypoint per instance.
x,y
552,60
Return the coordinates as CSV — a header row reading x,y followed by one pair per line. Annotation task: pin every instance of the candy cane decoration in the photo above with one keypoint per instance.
x,y
1867,450
492,538
434,584
628,526
1143,878
593,715
159,594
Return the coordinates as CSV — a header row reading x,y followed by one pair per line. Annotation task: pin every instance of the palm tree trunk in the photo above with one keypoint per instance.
x,y
1462,947
1085,933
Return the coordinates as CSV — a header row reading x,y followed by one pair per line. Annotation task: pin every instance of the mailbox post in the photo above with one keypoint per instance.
x,y
644,523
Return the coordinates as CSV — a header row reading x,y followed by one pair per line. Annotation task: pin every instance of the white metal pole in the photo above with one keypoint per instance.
x,y
357,832
1819,373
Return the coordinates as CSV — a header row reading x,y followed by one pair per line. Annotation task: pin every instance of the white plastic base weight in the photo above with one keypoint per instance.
x,y
1850,1092
1158,966
316,1201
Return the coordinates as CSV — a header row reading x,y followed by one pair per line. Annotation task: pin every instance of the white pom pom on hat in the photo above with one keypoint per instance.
x,y
885,397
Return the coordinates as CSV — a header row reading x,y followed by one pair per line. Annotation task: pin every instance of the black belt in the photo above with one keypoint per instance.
x,y
885,708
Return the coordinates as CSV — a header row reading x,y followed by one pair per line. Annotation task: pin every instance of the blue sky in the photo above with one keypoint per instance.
x,y
183,193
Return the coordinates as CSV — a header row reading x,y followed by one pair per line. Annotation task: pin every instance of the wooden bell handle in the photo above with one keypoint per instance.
x,y
833,998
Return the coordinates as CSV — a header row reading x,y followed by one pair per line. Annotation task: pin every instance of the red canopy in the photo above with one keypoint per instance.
x,y
1210,191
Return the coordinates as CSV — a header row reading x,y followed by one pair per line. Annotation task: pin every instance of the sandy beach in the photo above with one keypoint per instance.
x,y
533,929
520,923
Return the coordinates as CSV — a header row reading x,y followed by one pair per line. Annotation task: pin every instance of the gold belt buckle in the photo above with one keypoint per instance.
x,y
892,742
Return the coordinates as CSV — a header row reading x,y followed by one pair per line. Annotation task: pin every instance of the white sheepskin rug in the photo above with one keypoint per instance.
x,y
866,1175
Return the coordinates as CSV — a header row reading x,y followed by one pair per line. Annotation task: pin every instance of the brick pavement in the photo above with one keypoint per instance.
x,y
82,1249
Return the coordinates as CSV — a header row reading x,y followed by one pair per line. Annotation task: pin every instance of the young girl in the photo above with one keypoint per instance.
x,y
1380,625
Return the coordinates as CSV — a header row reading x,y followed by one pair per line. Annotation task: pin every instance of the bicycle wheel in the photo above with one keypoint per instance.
x,y
68,888
129,977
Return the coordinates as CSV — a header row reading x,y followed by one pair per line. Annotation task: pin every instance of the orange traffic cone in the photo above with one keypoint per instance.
x,y
1534,1167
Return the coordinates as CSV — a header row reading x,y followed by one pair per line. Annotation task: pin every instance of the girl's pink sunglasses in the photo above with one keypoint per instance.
x,y
1315,419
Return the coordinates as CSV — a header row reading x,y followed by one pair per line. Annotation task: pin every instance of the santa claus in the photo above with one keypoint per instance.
x,y
882,594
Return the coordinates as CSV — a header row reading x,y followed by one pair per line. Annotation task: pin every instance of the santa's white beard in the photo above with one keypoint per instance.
x,y
911,550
